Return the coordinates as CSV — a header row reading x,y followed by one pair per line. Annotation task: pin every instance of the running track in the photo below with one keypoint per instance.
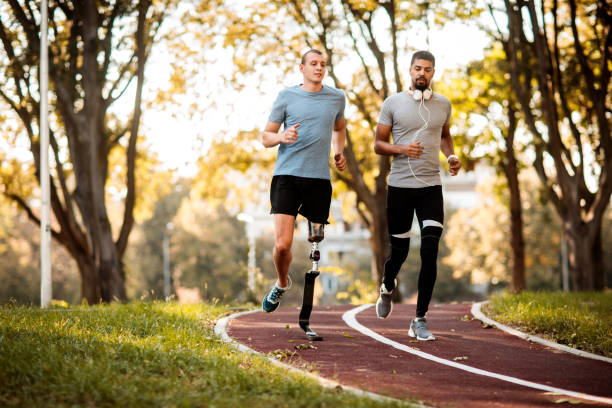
x,y
467,366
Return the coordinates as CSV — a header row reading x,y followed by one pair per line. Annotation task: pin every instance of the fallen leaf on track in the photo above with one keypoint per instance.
x,y
567,400
304,347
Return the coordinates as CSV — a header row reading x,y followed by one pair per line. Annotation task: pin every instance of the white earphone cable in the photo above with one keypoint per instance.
x,y
416,135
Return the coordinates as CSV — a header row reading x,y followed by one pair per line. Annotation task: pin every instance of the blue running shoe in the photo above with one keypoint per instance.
x,y
272,300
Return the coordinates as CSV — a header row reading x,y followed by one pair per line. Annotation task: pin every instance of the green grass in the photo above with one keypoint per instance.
x,y
579,320
142,355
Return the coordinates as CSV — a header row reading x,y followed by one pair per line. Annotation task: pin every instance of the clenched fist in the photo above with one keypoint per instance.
x,y
340,161
414,150
290,135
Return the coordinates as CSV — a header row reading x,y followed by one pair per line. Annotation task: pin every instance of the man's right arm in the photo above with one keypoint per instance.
x,y
383,147
270,136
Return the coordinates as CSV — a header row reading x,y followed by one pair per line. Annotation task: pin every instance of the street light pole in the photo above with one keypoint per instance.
x,y
251,263
166,259
45,213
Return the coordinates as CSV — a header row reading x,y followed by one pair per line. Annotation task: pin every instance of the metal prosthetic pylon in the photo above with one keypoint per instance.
x,y
315,235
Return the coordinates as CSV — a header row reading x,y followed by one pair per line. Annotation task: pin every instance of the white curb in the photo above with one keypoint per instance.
x,y
477,312
351,320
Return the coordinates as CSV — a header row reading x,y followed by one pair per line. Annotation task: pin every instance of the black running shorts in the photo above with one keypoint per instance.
x,y
310,197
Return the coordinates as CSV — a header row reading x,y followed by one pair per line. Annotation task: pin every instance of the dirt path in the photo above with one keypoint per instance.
x,y
352,358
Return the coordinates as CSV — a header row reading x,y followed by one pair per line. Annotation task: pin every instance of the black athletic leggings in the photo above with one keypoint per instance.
x,y
428,204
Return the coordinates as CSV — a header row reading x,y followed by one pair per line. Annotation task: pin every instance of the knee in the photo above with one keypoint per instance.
x,y
430,240
431,231
283,248
398,255
399,243
399,249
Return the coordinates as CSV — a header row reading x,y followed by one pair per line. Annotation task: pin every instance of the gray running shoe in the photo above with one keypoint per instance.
x,y
384,304
418,329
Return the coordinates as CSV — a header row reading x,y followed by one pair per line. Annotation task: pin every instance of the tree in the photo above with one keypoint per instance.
x,y
478,237
20,265
144,256
362,39
559,58
480,89
97,49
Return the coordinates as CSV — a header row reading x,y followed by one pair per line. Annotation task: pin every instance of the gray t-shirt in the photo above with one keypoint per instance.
x,y
401,112
316,112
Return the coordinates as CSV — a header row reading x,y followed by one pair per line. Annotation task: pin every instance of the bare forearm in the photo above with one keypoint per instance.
x,y
446,145
271,139
386,148
338,140
446,142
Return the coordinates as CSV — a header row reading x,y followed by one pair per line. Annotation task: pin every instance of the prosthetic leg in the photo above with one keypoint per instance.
x,y
315,235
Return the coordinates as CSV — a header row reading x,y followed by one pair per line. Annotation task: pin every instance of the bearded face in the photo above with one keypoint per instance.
x,y
421,73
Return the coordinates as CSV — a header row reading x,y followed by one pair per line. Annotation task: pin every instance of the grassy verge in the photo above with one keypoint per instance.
x,y
142,354
580,320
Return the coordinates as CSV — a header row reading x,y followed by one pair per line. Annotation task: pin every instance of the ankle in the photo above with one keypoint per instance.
x,y
286,285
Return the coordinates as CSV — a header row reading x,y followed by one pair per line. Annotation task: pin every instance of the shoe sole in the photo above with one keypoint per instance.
x,y
412,334
270,311
385,316
390,309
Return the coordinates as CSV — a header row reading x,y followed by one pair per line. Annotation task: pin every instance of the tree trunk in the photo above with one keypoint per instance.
x,y
585,255
517,241
580,210
579,253
83,73
90,284
379,241
112,277
599,274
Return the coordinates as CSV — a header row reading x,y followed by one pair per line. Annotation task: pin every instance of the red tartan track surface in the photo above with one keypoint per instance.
x,y
352,358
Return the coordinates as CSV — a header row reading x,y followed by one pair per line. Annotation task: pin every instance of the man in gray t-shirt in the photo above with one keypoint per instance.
x,y
313,119
419,121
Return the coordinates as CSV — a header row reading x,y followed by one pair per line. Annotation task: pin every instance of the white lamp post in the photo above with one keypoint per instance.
x,y
166,258
45,213
250,227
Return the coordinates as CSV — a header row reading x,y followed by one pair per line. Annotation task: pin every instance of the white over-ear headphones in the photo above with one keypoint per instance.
x,y
417,94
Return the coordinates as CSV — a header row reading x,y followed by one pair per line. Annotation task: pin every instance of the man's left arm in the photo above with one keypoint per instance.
x,y
338,139
446,145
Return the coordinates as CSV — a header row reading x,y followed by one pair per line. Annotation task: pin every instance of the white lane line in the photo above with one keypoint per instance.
x,y
221,331
350,319
477,312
